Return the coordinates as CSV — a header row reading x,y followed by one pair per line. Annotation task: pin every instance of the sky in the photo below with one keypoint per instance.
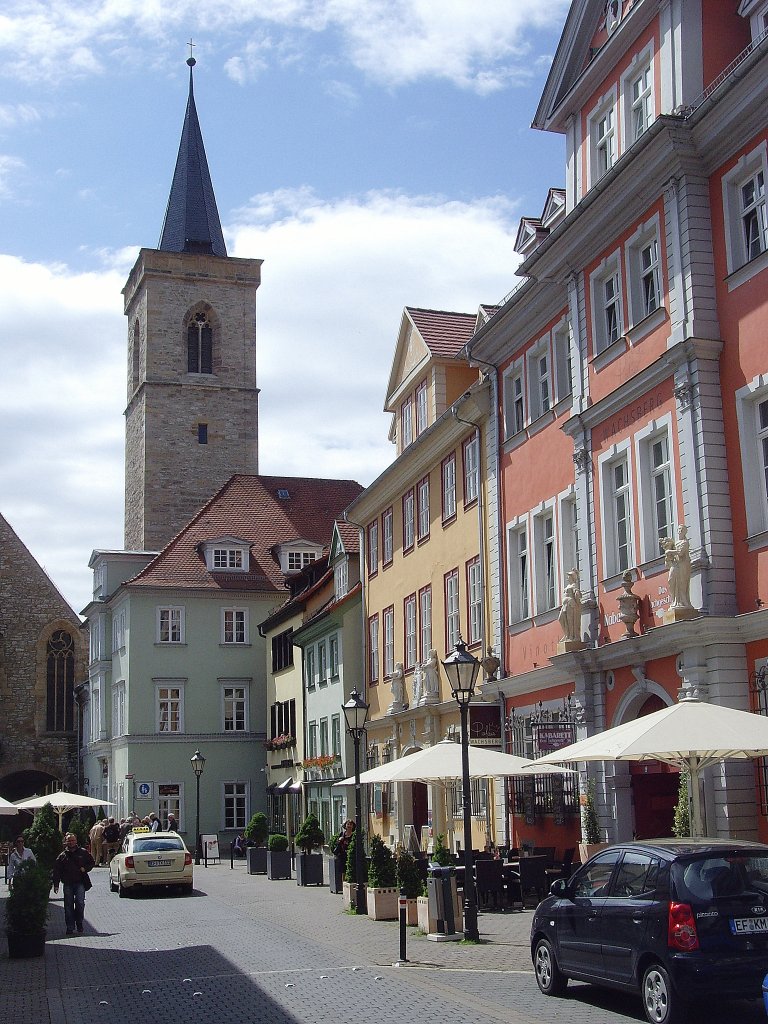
x,y
373,153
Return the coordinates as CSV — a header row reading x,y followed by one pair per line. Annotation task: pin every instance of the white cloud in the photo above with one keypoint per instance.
x,y
476,46
17,113
9,166
336,276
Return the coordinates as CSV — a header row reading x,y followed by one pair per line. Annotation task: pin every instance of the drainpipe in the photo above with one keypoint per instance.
x,y
363,684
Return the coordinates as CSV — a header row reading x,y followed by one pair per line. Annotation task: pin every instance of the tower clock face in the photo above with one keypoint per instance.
x,y
613,12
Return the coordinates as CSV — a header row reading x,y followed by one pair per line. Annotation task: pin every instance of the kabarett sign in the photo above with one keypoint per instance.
x,y
550,736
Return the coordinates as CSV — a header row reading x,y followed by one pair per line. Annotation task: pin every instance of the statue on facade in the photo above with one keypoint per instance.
x,y
431,688
398,690
570,611
629,605
418,683
677,559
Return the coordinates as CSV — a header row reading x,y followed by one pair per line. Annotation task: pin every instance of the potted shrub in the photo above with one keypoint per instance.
x,y
334,869
382,882
44,839
409,883
309,865
255,834
349,885
590,826
26,910
278,857
681,826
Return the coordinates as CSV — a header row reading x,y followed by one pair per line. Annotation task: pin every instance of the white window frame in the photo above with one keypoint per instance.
x,y
409,631
540,390
175,624
234,627
237,794
373,648
545,555
161,696
406,422
336,735
96,709
640,69
748,401
118,708
119,618
309,668
334,656
474,601
448,479
373,547
341,577
409,520
515,400
422,509
470,460
608,270
519,570
388,636
170,803
312,738
638,270
230,559
735,248
602,136
230,702
609,498
645,440
387,536
322,663
422,411
425,622
297,559
451,589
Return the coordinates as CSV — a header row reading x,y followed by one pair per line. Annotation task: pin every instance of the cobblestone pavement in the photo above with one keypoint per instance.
x,y
244,949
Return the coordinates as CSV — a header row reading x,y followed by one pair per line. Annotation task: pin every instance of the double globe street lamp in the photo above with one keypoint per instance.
x,y
198,764
356,715
462,669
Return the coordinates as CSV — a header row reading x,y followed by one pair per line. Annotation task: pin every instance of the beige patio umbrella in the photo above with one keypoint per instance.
x,y
691,734
8,808
61,802
440,765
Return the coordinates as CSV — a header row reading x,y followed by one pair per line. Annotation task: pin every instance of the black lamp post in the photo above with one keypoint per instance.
x,y
356,715
198,763
461,669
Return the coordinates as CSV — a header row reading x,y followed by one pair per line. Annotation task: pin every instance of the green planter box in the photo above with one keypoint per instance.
x,y
309,869
278,864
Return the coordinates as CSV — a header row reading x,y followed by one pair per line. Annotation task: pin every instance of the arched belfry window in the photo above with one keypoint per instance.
x,y
60,682
200,344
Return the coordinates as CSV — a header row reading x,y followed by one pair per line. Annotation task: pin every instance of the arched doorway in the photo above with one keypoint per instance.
x,y
654,788
18,786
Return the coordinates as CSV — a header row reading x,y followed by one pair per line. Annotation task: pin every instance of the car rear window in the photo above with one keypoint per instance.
x,y
156,845
703,879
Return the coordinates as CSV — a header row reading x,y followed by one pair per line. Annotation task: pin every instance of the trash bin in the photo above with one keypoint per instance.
x,y
441,892
765,992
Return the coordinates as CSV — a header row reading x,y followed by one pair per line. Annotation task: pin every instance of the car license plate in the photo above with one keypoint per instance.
x,y
159,863
749,925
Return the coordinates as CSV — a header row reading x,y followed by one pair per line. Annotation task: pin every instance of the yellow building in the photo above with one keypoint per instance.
x,y
426,567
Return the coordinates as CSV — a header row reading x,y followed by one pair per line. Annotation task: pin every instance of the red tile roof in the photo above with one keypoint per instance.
x,y
445,333
350,536
249,507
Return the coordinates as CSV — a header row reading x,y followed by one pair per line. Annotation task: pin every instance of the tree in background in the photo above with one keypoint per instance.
x,y
43,837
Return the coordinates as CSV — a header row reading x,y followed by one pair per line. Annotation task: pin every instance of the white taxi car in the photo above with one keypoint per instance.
x,y
149,858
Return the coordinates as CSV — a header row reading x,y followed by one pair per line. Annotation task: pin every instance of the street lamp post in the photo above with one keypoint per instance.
x,y
198,764
356,715
461,669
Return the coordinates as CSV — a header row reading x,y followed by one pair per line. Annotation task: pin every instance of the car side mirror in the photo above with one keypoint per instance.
x,y
558,888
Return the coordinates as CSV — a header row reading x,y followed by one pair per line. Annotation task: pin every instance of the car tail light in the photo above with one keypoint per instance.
x,y
187,858
682,933
129,862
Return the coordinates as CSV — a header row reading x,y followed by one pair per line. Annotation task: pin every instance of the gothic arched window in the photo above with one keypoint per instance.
x,y
60,682
200,345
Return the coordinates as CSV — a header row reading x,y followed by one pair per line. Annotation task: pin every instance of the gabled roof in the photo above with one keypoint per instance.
x,y
346,537
191,219
426,334
248,507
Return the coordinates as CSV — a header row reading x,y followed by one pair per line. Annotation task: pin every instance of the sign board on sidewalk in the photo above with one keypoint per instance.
x,y
210,847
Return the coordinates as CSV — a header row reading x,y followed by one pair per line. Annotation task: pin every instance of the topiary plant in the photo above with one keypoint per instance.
x,y
43,838
80,829
590,823
408,877
310,836
681,827
382,871
257,829
277,843
440,853
26,909
349,870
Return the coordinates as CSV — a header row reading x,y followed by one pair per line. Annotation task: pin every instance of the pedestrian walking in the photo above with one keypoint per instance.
x,y
173,825
71,869
154,822
18,854
111,838
96,836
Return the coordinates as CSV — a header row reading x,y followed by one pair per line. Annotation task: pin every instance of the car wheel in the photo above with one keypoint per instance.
x,y
661,1003
549,977
122,892
112,886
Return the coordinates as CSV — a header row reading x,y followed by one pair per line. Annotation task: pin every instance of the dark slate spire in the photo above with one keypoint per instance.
x,y
191,220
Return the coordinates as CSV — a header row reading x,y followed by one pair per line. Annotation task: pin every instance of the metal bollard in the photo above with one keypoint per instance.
x,y
402,905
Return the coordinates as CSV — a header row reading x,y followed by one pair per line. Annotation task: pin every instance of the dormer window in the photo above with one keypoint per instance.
x,y
341,577
298,559
227,554
295,555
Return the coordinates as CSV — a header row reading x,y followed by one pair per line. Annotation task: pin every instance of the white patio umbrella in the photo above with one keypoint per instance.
x,y
61,802
440,764
691,734
8,808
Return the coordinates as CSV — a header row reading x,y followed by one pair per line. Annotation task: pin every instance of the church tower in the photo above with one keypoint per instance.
x,y
192,413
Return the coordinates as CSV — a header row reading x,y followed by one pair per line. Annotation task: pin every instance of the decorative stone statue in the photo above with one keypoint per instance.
x,y
398,690
418,683
629,605
431,689
570,611
677,559
491,665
